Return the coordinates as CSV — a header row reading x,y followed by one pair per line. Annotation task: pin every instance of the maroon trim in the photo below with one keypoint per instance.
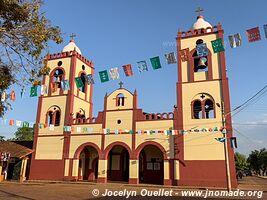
x,y
81,148
102,180
110,147
143,145
133,181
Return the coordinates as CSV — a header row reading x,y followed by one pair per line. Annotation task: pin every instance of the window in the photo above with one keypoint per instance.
x,y
120,100
57,77
197,109
50,118
209,109
57,118
83,80
53,116
80,116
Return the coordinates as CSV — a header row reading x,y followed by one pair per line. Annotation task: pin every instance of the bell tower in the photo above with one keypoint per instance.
x,y
60,102
202,91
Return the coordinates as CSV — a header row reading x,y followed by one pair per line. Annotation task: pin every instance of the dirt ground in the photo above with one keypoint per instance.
x,y
85,190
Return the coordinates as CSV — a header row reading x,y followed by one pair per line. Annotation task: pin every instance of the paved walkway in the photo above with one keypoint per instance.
x,y
84,190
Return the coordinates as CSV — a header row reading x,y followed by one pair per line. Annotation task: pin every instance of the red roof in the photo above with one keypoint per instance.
x,y
15,149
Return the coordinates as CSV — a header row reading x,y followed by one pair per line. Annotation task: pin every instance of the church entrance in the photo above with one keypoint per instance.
x,y
88,164
118,164
151,166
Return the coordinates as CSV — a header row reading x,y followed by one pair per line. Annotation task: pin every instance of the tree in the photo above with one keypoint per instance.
x,y
24,34
24,134
241,164
258,161
2,138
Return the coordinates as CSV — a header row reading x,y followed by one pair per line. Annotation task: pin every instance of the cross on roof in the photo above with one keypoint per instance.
x,y
72,36
120,83
199,10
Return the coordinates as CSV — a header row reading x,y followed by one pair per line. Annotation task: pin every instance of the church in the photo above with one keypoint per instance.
x,y
124,143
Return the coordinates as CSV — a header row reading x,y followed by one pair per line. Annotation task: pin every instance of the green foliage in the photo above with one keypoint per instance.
x,y
241,164
24,34
258,161
24,134
2,138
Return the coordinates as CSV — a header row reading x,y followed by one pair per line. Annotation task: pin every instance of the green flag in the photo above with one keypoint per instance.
x,y
155,62
217,45
79,82
25,124
103,76
33,92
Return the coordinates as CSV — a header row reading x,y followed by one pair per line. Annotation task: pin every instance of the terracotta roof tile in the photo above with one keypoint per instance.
x,y
15,149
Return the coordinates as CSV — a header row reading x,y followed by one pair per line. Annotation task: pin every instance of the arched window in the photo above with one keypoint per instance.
x,y
57,118
57,77
200,62
49,118
83,80
53,116
80,116
197,109
209,109
120,100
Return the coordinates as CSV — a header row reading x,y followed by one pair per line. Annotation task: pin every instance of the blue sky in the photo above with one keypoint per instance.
x,y
117,32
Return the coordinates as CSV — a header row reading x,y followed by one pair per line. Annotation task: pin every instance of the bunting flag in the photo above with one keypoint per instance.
x,y
4,121
43,89
155,62
79,129
238,39
40,126
89,79
233,142
25,124
232,41
18,123
33,92
265,30
79,82
67,128
22,92
217,45
114,73
31,125
54,87
253,34
51,127
103,76
171,58
202,50
127,70
3,96
142,66
65,85
11,122
13,96
184,54
220,139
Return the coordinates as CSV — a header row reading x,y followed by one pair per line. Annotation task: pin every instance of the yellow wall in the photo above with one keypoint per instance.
x,y
49,148
154,125
126,118
124,138
77,141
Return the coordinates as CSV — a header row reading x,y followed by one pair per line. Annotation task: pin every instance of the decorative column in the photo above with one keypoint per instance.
x,y
75,168
167,180
102,171
134,171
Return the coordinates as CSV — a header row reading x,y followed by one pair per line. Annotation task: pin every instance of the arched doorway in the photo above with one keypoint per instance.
x,y
118,164
88,164
151,165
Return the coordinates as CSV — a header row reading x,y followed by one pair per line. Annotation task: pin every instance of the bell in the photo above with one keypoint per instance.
x,y
201,63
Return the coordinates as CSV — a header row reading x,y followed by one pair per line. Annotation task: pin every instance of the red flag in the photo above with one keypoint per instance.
x,y
253,34
13,96
184,54
11,122
128,70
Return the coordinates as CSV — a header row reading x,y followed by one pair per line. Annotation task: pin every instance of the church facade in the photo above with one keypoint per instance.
x,y
116,146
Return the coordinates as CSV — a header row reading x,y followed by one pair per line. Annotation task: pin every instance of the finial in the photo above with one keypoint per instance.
x,y
121,83
72,36
199,10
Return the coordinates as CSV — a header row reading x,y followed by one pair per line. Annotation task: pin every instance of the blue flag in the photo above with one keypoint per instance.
x,y
142,66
